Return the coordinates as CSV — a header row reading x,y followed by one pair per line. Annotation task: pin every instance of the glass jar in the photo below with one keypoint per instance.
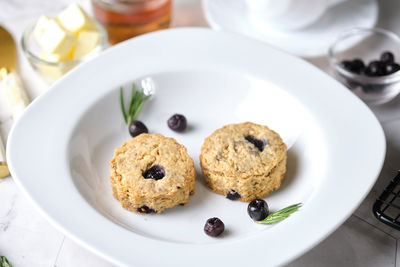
x,y
51,71
124,19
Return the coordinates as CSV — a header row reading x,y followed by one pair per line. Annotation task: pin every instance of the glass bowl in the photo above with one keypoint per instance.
x,y
367,45
51,71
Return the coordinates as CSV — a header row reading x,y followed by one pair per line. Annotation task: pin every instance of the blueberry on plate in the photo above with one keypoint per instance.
x,y
177,123
137,127
214,227
258,209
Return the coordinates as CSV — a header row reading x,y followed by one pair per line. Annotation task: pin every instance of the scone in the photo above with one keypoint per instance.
x,y
151,173
243,161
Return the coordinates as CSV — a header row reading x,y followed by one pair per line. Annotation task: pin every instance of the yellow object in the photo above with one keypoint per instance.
x,y
75,19
4,172
8,53
40,27
11,89
53,72
51,57
56,39
69,36
86,42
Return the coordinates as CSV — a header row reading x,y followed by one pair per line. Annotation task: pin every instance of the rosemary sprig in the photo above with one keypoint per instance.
x,y
4,262
136,101
280,214
121,100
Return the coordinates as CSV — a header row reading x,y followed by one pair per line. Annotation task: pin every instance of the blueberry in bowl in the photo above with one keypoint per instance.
x,y
375,68
356,65
367,61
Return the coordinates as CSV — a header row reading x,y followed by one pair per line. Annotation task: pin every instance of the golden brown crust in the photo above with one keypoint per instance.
x,y
136,156
230,163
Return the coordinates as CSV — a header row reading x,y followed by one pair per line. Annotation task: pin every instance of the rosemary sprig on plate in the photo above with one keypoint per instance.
x,y
4,262
136,101
280,214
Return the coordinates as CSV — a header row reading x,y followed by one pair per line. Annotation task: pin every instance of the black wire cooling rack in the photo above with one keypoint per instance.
x,y
387,206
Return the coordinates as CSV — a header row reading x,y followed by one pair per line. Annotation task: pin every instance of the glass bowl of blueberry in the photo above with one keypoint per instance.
x,y
367,61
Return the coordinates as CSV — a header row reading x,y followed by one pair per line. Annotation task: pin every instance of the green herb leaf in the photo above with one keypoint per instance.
x,y
121,100
140,106
132,99
280,214
136,101
4,262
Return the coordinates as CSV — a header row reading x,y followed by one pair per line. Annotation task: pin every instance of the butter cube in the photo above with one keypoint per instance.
x,y
55,39
75,19
86,42
52,57
40,27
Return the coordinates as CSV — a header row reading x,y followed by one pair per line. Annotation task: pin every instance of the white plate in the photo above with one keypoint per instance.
x,y
60,148
311,41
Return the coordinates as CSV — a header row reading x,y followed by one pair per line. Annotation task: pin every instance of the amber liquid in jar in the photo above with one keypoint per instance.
x,y
124,19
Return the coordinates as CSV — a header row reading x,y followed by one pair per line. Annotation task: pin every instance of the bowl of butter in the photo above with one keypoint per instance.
x,y
55,45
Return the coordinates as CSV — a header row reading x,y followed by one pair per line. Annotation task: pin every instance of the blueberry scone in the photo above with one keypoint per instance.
x,y
150,173
243,161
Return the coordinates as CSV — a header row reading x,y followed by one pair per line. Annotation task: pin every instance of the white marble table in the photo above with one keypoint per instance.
x,y
28,240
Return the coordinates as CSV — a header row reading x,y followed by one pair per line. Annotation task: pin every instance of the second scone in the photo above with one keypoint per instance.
x,y
150,173
243,161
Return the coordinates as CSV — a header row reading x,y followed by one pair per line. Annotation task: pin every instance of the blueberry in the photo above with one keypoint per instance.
x,y
358,66
347,65
396,67
387,57
355,66
370,72
137,127
214,227
177,123
258,209
375,68
156,172
233,195
145,209
392,68
258,143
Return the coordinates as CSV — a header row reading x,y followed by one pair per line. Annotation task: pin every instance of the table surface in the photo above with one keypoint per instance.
x,y
29,240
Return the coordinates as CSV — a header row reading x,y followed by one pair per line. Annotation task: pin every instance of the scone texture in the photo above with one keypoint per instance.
x,y
243,161
131,161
